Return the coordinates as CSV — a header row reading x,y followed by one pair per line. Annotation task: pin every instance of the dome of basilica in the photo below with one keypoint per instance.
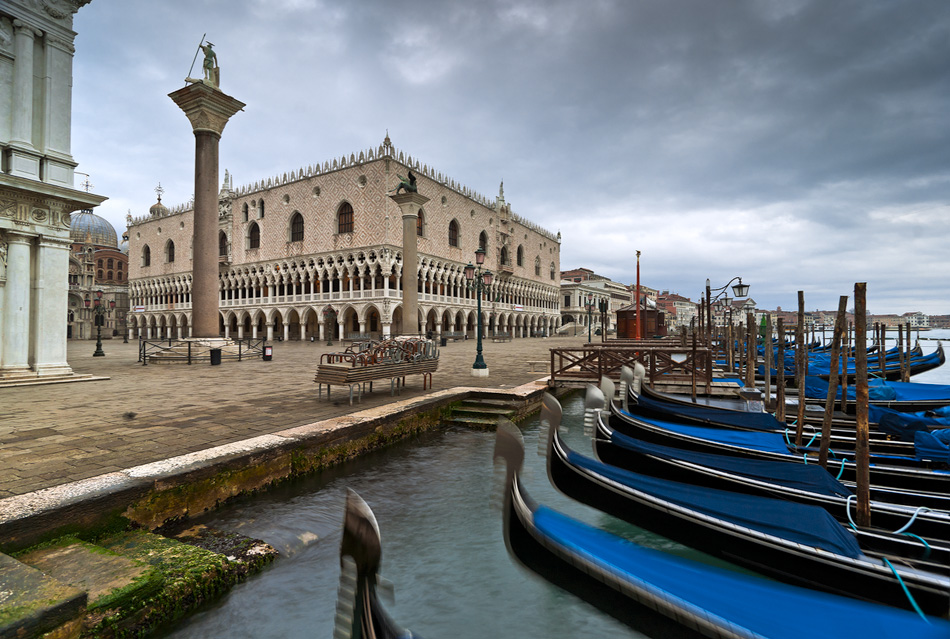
x,y
99,230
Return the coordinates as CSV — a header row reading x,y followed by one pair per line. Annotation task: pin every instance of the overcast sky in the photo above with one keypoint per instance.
x,y
801,145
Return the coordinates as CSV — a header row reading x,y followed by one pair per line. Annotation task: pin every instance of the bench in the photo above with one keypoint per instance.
x,y
343,374
358,337
543,365
454,335
501,337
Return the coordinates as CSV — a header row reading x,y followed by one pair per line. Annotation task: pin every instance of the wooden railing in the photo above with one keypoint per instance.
x,y
664,360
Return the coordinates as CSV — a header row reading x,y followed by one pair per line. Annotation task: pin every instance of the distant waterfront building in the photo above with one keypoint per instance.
x,y
318,252
97,262
679,310
576,285
916,319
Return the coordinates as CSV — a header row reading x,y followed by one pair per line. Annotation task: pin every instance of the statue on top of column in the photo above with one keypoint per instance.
x,y
212,73
407,185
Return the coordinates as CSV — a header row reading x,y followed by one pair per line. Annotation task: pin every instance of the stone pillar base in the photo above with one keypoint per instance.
x,y
16,372
479,372
48,370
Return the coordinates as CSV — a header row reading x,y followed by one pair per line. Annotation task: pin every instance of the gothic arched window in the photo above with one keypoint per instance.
x,y
344,218
453,233
254,236
296,227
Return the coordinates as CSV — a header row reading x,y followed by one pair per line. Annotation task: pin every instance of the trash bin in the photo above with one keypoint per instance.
x,y
215,356
268,353
443,341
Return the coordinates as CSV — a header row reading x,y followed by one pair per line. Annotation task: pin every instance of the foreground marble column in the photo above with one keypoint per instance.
x,y
50,296
16,308
208,110
409,205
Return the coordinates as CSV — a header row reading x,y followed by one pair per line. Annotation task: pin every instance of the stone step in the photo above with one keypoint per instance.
x,y
132,581
33,604
478,423
482,410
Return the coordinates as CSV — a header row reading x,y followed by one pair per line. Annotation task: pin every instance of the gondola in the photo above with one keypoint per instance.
x,y
900,396
788,541
807,484
902,426
892,370
732,414
360,614
909,485
634,583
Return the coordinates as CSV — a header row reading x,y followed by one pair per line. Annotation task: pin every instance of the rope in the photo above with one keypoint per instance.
x,y
921,540
843,460
910,597
907,525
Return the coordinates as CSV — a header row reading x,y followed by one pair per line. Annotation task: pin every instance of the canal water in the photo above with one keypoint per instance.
x,y
436,499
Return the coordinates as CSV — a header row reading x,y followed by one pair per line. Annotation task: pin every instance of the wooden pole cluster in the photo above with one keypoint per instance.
x,y
751,350
800,369
832,381
767,362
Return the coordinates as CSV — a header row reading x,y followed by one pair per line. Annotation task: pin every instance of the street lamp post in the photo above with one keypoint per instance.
x,y
100,319
590,307
478,281
740,289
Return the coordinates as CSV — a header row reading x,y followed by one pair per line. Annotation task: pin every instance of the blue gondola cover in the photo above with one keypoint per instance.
x,y
808,525
811,478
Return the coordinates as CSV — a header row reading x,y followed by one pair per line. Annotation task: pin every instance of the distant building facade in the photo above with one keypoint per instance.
x,y
318,252
97,262
582,286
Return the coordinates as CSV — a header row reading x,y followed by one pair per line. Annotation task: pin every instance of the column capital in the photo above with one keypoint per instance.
x,y
409,203
208,109
22,28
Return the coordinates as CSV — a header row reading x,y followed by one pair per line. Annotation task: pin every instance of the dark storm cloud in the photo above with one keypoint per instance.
x,y
801,143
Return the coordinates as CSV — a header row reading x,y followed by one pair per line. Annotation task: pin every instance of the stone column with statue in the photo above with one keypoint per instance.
x,y
406,195
208,109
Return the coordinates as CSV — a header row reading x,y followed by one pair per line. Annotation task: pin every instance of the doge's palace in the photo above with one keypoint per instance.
x,y
36,185
317,253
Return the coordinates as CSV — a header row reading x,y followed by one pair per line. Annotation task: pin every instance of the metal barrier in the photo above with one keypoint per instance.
x,y
190,351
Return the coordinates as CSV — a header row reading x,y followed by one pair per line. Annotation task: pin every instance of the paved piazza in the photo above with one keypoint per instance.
x,y
59,433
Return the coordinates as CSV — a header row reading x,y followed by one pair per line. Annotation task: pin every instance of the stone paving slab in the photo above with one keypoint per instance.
x,y
51,435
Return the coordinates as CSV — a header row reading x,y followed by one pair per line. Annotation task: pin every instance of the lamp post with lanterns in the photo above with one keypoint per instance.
x,y
478,281
100,319
740,290
590,307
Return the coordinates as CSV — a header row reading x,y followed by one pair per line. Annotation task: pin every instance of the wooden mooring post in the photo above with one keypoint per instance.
x,y
800,361
767,361
780,380
861,446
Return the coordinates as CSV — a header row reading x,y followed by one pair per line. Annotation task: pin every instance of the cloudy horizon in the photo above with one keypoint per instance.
x,y
798,144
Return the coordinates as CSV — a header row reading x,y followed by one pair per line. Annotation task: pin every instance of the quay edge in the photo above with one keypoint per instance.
x,y
152,495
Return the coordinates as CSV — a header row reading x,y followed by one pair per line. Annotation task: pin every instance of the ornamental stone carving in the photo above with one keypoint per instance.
x,y
6,35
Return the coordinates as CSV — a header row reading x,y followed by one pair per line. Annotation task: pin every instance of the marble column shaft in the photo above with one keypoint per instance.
x,y
410,276
204,283
22,131
51,297
16,306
